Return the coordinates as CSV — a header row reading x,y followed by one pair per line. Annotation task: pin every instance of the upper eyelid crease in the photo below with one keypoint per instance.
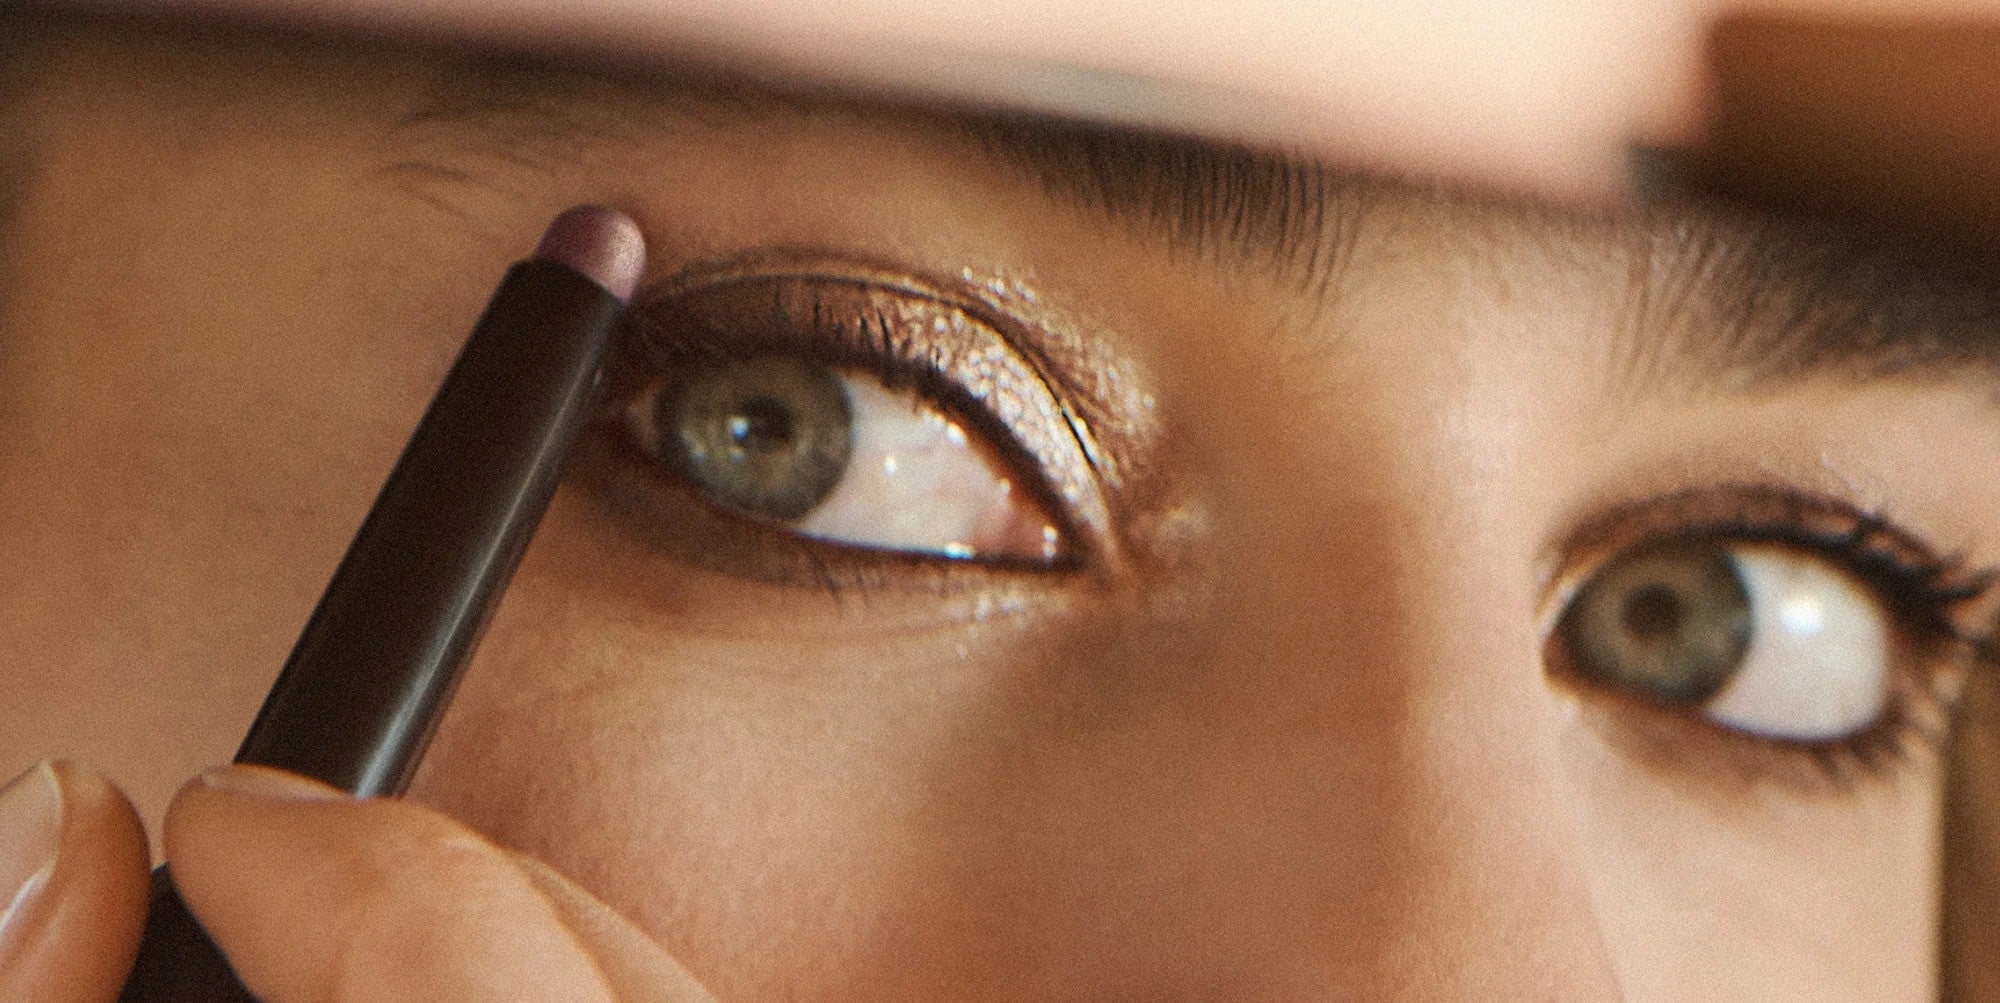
x,y
1106,425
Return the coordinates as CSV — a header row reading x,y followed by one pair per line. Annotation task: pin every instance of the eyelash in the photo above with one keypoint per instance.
x,y
1919,591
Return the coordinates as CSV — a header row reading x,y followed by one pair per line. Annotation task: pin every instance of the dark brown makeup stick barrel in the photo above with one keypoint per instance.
x,y
372,672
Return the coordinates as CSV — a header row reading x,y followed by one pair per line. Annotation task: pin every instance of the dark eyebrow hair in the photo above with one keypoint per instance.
x,y
1720,296
1717,297
1295,215
1743,299
1226,203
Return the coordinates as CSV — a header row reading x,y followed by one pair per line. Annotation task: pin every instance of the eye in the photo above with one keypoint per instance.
x,y
819,422
837,455
1757,637
1758,633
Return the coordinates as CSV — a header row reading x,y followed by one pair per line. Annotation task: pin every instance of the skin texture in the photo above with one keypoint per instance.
x,y
1297,740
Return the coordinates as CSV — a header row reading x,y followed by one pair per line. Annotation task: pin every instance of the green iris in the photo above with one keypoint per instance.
x,y
1670,622
768,436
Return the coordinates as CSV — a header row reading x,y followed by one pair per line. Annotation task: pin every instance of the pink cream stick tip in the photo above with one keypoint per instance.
x,y
602,243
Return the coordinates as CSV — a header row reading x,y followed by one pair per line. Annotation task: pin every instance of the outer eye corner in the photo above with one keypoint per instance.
x,y
1855,659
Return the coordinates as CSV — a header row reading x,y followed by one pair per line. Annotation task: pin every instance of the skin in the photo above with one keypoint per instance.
x,y
1298,741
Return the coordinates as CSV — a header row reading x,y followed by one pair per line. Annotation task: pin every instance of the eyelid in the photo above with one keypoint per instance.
x,y
1749,511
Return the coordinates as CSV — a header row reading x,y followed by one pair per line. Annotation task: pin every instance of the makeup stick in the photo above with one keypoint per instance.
x,y
375,667
366,685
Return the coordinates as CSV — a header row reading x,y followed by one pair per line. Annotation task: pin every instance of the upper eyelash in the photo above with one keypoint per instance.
x,y
900,363
1921,593
1894,562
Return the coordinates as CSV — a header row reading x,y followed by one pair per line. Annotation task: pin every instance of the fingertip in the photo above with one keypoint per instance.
x,y
309,892
92,800
234,788
82,927
101,829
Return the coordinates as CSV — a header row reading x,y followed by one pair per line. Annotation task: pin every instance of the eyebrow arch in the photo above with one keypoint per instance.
x,y
1719,299
1293,216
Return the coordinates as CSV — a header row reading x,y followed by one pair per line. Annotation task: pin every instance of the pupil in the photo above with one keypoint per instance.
x,y
1654,613
761,425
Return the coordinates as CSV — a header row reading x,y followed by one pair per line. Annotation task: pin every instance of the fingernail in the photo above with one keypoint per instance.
x,y
31,817
265,782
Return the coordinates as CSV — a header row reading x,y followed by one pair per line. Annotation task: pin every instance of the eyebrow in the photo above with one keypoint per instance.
x,y
1717,298
1295,216
1745,300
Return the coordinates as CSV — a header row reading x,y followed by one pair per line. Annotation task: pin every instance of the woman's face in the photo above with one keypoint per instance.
x,y
1370,588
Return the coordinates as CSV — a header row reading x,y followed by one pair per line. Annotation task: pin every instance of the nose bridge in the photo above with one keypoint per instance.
x,y
1494,896
1402,656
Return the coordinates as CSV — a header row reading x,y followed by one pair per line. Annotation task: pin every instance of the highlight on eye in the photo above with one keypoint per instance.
x,y
1790,622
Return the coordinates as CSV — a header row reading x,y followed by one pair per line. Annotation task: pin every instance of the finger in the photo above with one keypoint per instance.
x,y
73,868
312,894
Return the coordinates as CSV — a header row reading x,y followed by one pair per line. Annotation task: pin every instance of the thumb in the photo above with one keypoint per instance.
x,y
315,895
72,885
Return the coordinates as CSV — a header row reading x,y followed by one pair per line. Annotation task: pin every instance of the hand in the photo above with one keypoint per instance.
x,y
308,892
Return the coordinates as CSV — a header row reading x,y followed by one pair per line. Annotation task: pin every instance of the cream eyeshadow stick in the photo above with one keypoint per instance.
x,y
375,667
